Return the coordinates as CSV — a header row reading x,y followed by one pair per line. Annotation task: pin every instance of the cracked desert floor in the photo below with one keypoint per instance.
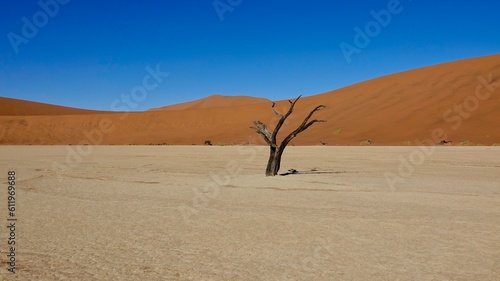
x,y
209,213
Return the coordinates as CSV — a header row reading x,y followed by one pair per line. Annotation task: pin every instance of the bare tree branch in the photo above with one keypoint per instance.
x,y
283,118
296,132
275,112
262,130
317,108
302,127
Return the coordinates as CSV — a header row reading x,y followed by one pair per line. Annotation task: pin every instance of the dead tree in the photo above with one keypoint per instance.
x,y
273,165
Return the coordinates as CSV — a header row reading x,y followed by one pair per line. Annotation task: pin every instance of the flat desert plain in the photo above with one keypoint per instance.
x,y
209,213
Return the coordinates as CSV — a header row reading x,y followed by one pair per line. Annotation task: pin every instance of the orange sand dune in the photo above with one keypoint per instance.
x,y
17,107
460,99
214,101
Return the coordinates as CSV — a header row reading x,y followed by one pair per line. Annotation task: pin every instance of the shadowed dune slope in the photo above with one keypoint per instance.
x,y
213,101
460,99
17,107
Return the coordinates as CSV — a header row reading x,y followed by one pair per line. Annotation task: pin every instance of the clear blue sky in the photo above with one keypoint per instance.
x,y
89,53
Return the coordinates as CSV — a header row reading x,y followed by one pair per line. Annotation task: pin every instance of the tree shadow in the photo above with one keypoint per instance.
x,y
311,172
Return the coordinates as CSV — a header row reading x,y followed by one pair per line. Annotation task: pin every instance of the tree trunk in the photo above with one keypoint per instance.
x,y
274,162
